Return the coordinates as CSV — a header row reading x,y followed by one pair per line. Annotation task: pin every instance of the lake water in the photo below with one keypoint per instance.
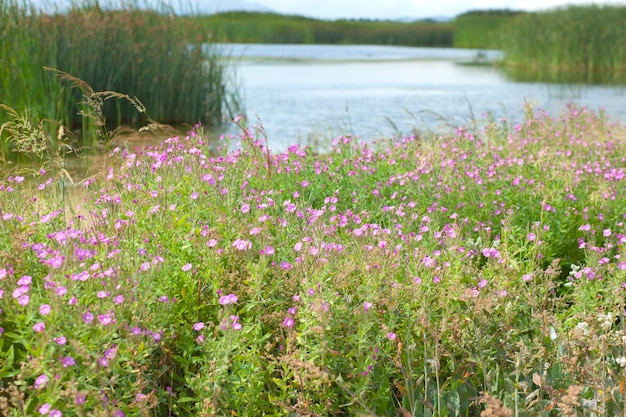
x,y
304,92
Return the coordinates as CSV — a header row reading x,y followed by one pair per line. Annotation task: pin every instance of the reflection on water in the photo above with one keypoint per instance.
x,y
567,77
377,97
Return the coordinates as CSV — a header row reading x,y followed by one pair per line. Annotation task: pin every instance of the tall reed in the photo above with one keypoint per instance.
x,y
482,28
584,39
145,53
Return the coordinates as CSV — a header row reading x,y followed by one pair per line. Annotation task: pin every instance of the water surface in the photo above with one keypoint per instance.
x,y
304,92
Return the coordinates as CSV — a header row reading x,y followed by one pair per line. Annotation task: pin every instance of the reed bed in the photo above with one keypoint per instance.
x,y
587,40
482,29
251,27
143,53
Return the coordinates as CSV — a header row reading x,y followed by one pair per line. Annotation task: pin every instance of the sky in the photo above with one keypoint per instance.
x,y
382,9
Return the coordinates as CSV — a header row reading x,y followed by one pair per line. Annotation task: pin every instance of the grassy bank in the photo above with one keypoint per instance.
x,y
141,53
251,27
480,270
576,39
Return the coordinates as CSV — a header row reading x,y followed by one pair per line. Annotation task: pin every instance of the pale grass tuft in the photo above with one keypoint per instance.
x,y
94,103
27,137
570,401
494,408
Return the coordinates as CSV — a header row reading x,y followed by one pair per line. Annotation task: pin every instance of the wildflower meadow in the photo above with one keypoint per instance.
x,y
479,272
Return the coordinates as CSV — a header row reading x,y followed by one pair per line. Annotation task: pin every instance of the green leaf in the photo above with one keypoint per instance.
x,y
186,400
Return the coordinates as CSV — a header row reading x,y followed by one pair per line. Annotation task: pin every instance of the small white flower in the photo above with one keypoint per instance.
x,y
606,320
621,361
583,327
553,334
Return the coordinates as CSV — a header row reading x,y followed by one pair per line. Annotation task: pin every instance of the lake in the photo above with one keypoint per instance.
x,y
303,93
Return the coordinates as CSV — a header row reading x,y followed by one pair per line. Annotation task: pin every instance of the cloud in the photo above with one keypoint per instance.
x,y
381,9
213,6
346,8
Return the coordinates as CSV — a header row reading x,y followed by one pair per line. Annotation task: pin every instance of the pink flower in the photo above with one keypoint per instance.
x,y
198,326
228,299
106,319
44,409
56,262
39,327
88,317
187,267
391,336
19,291
428,262
241,244
367,306
25,280
44,309
41,381
67,361
288,322
194,195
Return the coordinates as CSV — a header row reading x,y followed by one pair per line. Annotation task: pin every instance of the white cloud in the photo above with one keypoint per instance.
x,y
406,8
335,9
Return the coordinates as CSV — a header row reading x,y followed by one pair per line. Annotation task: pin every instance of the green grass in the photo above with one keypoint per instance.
x,y
443,276
143,53
482,29
252,27
586,40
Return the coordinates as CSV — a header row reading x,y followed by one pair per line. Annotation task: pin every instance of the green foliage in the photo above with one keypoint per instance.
x,y
581,40
482,29
142,52
482,269
251,27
